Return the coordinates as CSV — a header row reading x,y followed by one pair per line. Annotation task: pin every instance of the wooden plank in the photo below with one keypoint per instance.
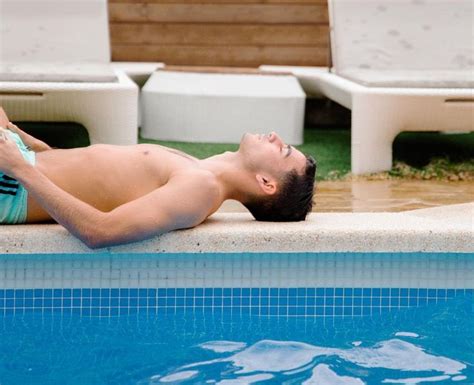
x,y
232,56
222,34
282,2
218,13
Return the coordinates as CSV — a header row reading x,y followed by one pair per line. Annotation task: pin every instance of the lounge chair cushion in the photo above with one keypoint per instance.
x,y
411,78
57,72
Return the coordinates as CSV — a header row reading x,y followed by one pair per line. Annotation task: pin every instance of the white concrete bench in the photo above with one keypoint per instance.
x,y
221,107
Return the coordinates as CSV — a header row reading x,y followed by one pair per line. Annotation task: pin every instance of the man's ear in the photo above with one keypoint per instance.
x,y
267,183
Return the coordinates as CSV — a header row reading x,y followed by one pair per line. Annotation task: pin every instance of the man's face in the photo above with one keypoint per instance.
x,y
268,153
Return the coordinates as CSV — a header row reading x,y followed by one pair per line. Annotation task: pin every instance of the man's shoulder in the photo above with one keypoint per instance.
x,y
197,179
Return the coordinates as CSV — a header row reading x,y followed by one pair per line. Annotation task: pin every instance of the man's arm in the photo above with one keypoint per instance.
x,y
183,202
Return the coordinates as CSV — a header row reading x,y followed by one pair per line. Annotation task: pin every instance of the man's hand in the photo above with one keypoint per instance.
x,y
35,144
11,159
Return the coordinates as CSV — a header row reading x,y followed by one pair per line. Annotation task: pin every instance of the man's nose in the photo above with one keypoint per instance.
x,y
275,138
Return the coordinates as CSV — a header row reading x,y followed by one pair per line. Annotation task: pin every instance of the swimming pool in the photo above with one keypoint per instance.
x,y
237,318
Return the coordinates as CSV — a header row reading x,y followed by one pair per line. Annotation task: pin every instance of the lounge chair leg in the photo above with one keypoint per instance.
x,y
374,126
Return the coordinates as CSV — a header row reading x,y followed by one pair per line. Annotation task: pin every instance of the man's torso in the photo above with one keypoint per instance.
x,y
107,176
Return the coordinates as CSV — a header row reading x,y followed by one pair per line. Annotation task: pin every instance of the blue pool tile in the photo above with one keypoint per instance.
x,y
319,301
255,292
422,293
301,292
385,292
28,293
376,292
394,292
227,292
413,292
95,302
338,301
357,292
170,292
114,293
385,301
431,293
300,301
9,293
283,292
329,301
338,292
236,292
123,301
180,292
245,292
18,302
366,292
404,292
320,291
348,292
285,301
311,292
311,301
329,291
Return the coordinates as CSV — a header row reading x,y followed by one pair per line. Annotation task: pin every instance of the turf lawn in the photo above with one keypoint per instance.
x,y
330,148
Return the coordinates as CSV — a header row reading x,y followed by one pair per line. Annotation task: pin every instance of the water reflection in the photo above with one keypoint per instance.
x,y
268,360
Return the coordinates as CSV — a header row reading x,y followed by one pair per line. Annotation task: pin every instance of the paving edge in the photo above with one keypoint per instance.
x,y
410,231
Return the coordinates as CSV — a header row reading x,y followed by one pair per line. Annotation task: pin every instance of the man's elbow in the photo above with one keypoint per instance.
x,y
97,238
94,242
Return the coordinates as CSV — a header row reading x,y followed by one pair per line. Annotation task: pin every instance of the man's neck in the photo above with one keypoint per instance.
x,y
235,180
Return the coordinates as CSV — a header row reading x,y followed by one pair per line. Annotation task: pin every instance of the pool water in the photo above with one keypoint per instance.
x,y
432,344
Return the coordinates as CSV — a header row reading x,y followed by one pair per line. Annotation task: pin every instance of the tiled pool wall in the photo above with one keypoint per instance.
x,y
274,284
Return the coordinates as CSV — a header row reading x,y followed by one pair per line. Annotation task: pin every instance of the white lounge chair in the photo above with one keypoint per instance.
x,y
55,66
399,65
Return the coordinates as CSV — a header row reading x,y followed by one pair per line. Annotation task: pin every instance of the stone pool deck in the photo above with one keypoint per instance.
x,y
440,229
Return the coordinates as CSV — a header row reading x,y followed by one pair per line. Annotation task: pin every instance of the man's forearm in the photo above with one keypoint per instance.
x,y
81,219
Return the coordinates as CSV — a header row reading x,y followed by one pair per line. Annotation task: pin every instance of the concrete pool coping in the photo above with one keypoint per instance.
x,y
441,229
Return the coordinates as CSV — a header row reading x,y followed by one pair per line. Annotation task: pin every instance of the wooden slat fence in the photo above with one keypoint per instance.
x,y
241,33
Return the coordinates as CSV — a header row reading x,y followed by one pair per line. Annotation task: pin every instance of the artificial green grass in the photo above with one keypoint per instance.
x,y
434,152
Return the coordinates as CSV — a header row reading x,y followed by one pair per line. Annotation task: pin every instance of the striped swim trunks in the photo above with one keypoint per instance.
x,y
13,197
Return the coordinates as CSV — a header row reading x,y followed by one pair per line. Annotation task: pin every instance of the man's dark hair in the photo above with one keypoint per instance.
x,y
294,200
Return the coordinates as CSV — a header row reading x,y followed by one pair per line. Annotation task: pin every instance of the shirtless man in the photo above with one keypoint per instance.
x,y
107,195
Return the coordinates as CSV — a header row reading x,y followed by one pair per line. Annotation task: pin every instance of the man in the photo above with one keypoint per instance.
x,y
107,195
